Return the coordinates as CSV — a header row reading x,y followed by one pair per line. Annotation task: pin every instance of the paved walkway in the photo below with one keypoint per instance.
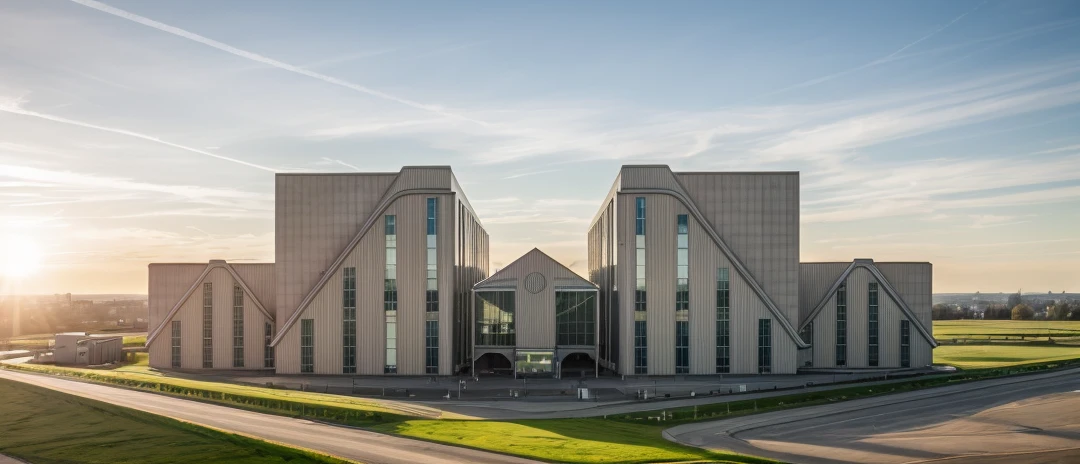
x,y
9,460
1017,414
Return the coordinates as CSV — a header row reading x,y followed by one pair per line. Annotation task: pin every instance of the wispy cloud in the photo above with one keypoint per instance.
x,y
530,173
16,109
272,62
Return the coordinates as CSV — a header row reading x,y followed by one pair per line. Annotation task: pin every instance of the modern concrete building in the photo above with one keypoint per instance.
x,y
864,314
698,272
536,317
373,275
386,274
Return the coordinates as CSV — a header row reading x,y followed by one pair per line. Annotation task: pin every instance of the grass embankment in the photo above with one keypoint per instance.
x,y
135,341
343,409
589,440
978,344
44,426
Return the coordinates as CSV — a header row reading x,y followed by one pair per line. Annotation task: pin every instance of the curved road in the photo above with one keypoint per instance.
x,y
1022,419
343,442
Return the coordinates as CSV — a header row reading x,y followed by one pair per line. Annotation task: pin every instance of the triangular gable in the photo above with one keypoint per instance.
x,y
195,286
885,285
679,193
569,278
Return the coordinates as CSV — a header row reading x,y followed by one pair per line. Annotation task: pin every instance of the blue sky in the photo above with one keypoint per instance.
x,y
133,131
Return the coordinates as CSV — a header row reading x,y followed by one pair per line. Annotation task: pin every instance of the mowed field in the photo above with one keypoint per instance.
x,y
44,426
975,344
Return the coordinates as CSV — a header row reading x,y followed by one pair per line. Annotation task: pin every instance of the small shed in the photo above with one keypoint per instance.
x,y
78,348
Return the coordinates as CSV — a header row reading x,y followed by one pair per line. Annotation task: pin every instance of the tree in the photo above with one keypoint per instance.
x,y
1022,312
941,312
1058,312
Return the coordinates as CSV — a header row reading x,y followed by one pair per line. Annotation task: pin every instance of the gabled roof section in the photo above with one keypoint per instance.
x,y
412,180
539,260
868,264
658,179
214,264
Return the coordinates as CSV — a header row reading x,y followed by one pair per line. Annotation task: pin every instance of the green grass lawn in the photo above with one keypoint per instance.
x,y
987,344
563,440
44,426
1000,355
135,340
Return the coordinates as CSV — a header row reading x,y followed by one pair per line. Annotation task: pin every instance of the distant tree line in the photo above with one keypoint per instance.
x,y
1015,309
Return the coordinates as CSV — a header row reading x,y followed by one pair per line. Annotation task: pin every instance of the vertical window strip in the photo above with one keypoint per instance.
x,y
723,322
682,347
176,338
268,351
348,321
905,344
208,326
641,351
390,295
431,343
238,326
764,346
307,346
841,325
682,294
872,321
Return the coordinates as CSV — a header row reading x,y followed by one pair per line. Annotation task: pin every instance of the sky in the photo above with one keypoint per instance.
x,y
134,132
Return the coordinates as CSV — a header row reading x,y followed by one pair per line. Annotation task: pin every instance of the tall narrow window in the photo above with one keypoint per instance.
x,y
431,344
391,344
176,344
348,320
268,351
495,318
905,344
208,326
238,326
682,294
841,325
431,350
390,294
641,350
872,318
723,322
764,346
307,346
682,347
575,318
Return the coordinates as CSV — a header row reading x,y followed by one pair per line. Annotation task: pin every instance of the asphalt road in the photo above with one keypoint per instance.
x,y
1025,419
348,443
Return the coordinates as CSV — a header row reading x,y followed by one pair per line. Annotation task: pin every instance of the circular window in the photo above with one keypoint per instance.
x,y
535,282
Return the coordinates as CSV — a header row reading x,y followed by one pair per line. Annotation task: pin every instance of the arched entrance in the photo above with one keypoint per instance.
x,y
493,364
577,365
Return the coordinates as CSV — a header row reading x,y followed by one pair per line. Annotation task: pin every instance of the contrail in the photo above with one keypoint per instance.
x,y
927,36
16,110
270,61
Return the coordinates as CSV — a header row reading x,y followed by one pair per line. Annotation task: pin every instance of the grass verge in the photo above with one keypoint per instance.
x,y
44,426
340,409
983,356
563,440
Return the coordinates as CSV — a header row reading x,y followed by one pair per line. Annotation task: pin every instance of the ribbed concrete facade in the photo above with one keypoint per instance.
x,y
822,281
764,287
325,224
534,279
170,283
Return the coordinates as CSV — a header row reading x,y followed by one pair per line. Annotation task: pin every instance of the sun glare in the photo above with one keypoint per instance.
x,y
19,256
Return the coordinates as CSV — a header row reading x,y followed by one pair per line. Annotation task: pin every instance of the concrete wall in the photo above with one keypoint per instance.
x,y
705,260
889,316
190,315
